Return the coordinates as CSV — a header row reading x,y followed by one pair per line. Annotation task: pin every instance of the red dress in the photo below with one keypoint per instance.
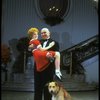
x,y
40,56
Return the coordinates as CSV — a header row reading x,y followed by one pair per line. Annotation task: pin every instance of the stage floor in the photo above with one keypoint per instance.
x,y
14,95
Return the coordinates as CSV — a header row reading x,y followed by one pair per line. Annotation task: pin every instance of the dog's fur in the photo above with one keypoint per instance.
x,y
58,92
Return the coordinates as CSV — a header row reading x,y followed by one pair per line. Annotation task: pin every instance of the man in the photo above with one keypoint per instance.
x,y
45,76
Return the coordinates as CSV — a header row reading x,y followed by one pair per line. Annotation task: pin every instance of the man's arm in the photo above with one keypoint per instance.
x,y
30,47
55,47
46,48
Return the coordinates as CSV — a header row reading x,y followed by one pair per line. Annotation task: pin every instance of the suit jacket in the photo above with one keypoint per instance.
x,y
54,48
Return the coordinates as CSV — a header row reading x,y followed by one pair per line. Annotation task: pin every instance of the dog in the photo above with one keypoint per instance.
x,y
58,92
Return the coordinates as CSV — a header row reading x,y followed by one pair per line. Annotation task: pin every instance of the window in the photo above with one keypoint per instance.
x,y
52,11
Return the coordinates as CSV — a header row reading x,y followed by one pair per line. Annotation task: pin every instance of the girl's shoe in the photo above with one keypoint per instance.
x,y
58,74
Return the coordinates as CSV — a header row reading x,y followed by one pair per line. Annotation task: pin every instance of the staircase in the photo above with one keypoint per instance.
x,y
76,83
17,86
20,82
70,83
72,69
72,58
72,80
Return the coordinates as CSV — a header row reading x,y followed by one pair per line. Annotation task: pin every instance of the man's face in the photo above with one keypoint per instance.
x,y
45,35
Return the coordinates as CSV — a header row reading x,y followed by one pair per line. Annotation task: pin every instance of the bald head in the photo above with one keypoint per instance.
x,y
45,33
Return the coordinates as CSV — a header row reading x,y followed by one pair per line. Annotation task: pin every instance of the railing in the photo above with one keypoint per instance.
x,y
75,55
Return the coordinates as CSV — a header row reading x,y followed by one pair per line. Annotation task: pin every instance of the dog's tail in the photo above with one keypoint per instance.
x,y
67,95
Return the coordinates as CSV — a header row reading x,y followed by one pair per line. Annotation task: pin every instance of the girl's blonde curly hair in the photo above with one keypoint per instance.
x,y
31,32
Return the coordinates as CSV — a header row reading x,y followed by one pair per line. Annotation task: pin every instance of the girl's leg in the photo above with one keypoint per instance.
x,y
57,60
57,64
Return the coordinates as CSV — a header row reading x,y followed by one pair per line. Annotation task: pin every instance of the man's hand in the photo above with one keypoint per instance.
x,y
50,57
30,47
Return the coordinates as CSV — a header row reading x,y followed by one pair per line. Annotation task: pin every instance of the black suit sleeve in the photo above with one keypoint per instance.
x,y
56,46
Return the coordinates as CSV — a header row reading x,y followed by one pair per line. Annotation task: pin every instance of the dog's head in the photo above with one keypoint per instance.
x,y
53,87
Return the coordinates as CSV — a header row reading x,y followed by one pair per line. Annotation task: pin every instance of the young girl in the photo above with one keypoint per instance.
x,y
40,53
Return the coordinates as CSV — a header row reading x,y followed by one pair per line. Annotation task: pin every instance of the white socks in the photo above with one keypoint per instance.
x,y
58,73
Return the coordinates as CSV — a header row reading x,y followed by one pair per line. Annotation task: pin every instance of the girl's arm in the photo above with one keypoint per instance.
x,y
46,48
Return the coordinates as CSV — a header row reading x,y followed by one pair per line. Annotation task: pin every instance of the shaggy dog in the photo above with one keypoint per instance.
x,y
58,92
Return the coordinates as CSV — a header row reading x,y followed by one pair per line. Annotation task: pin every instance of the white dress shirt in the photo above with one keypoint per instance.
x,y
44,44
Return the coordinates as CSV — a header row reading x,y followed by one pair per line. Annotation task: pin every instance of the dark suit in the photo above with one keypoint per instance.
x,y
41,78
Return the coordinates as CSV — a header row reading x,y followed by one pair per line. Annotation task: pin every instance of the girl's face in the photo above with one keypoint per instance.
x,y
35,35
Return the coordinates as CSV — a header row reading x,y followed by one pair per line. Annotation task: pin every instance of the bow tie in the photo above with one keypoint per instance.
x,y
44,40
